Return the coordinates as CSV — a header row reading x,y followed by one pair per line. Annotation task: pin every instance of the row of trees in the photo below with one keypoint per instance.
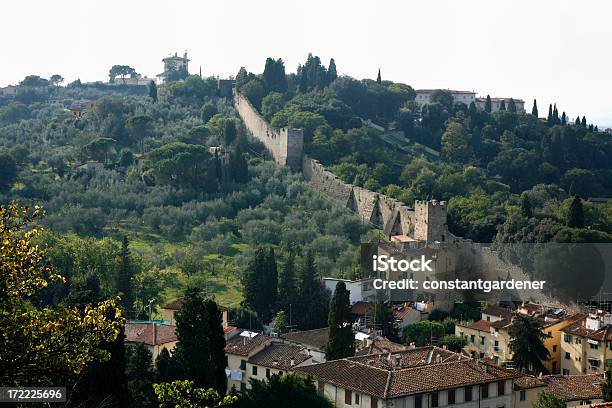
x,y
298,291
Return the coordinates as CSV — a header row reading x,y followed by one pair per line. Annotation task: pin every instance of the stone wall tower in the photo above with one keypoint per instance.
x,y
430,221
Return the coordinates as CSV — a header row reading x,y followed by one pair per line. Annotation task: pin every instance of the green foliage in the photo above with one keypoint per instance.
x,y
41,345
123,280
274,77
279,323
184,394
8,170
254,91
121,71
606,387
261,283
183,165
384,321
271,105
152,91
341,342
456,144
284,391
576,215
548,400
201,342
424,332
207,111
312,302
527,345
140,375
454,343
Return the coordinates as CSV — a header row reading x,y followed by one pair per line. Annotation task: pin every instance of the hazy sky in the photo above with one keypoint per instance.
x,y
555,51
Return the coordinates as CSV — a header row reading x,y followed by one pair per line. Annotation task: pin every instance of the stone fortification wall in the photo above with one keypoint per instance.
x,y
285,146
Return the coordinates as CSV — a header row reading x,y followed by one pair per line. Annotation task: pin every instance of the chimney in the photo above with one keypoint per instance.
x,y
292,362
444,347
397,361
412,345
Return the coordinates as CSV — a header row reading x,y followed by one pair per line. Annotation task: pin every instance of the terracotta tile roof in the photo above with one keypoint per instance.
x,y
401,311
279,356
528,381
574,387
316,338
229,329
501,324
384,377
362,308
578,328
481,325
381,345
498,311
150,333
243,346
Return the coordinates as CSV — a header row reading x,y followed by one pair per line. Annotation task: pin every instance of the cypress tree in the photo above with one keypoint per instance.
x,y
123,278
384,321
378,78
487,106
549,119
287,290
584,122
270,285
341,342
201,343
563,119
238,167
165,365
140,375
534,110
526,209
313,299
512,106
577,122
596,129
472,109
252,282
575,217
555,114
502,105
332,74
217,360
152,91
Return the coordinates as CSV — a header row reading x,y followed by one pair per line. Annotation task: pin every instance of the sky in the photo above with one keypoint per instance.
x,y
556,51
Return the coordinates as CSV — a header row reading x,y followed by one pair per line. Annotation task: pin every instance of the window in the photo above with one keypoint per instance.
x,y
610,345
568,356
484,391
578,341
549,334
356,398
501,388
472,338
267,373
451,396
554,348
418,401
434,399
565,371
348,397
373,402
280,373
567,338
523,395
482,339
468,394
243,364
255,370
594,346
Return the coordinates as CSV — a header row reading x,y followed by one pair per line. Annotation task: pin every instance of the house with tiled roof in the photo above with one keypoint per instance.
x,y
489,337
575,390
415,378
252,355
486,339
314,341
154,335
586,347
378,345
